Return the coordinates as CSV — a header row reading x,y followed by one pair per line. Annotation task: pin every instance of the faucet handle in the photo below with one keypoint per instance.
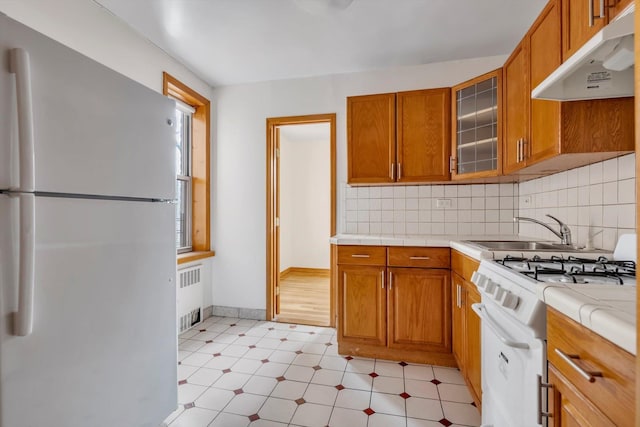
x,y
556,220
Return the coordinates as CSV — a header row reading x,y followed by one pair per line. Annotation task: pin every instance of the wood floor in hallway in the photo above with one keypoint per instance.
x,y
304,297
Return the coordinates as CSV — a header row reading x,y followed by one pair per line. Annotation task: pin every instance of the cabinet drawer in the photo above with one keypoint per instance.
x,y
463,265
362,255
573,349
419,257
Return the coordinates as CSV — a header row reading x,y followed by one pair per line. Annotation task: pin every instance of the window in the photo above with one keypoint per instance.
x,y
193,189
184,115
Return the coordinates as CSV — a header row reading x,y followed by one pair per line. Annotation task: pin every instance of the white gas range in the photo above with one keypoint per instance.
x,y
514,363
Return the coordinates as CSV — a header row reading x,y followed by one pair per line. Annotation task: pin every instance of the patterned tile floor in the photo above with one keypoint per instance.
x,y
238,372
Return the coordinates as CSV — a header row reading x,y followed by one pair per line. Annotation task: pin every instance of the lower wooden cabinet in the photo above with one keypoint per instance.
x,y
363,306
466,323
397,309
419,310
592,381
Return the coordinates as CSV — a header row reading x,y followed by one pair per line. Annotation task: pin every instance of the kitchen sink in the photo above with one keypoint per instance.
x,y
517,245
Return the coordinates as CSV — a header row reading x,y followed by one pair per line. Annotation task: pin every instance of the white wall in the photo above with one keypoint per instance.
x,y
239,216
93,31
598,202
305,203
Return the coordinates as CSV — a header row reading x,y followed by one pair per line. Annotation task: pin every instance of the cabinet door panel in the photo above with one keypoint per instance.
x,y
472,323
545,56
362,304
371,136
517,97
419,309
423,118
458,332
576,30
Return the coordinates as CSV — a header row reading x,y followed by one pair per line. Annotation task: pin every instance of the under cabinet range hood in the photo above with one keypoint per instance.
x,y
602,68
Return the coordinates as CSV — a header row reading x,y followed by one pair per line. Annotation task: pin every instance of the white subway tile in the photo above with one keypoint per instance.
x,y
352,192
507,189
506,228
595,216
492,203
399,228
583,196
375,216
352,204
387,216
492,190
352,227
572,178
478,229
464,228
610,216
425,216
477,203
399,216
572,197
610,193
477,217
413,191
627,191
424,191
610,170
437,216
451,216
363,228
627,216
375,228
609,238
572,215
583,216
412,204
412,228
451,228
492,228
399,204
464,190
627,166
464,215
464,203
562,197
363,216
387,228
450,191
363,204
386,192
507,215
399,192
387,204
425,228
375,204
506,202
411,216
584,176
437,227
492,215
424,204
437,191
477,190
595,173
595,194
363,192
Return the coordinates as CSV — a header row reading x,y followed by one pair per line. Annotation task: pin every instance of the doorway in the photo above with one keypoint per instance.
x,y
301,209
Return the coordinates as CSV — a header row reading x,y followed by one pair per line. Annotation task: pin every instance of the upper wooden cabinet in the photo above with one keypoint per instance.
x,y
539,134
417,152
517,101
476,133
371,134
582,19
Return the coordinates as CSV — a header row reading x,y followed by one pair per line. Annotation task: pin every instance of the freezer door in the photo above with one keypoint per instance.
x,y
103,351
95,131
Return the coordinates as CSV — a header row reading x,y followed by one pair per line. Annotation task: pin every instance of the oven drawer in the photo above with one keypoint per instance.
x,y
600,370
419,257
362,255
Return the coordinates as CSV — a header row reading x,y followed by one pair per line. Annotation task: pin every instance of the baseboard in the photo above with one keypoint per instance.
x,y
240,312
207,312
304,270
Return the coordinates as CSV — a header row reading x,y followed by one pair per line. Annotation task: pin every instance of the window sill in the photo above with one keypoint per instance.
x,y
194,256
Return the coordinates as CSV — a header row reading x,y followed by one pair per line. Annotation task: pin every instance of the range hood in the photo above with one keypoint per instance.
x,y
602,68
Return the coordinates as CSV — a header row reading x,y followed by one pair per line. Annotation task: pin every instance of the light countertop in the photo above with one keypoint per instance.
x,y
608,310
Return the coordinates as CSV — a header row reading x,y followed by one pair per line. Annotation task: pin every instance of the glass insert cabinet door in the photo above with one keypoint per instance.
x,y
476,145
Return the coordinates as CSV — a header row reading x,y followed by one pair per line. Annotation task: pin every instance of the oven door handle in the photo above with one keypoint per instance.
x,y
484,316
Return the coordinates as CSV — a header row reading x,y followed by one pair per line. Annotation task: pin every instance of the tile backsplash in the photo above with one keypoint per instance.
x,y
598,202
430,209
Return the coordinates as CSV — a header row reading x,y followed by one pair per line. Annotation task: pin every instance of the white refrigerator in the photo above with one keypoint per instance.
x,y
87,241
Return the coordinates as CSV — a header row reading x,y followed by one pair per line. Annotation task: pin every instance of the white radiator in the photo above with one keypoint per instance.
x,y
189,297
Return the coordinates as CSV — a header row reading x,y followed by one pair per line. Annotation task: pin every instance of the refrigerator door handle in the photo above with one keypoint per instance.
x,y
19,65
23,320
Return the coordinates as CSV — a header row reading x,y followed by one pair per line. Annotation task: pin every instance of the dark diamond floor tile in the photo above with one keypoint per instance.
x,y
348,357
226,371
403,364
254,417
445,422
182,382
280,379
340,387
316,368
373,375
369,411
405,395
238,391
436,382
189,405
300,401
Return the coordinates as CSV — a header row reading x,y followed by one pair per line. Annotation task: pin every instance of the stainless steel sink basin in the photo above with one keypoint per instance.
x,y
516,245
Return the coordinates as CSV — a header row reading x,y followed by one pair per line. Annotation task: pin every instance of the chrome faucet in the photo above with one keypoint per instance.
x,y
564,235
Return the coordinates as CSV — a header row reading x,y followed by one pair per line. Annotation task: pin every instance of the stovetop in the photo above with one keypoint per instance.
x,y
573,270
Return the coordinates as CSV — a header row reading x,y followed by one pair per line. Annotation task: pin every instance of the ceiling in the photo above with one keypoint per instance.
x,y
229,42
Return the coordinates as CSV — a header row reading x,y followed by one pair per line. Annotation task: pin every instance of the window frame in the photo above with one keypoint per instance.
x,y
200,167
187,134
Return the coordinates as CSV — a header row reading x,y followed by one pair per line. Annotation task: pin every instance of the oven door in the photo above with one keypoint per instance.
x,y
513,362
